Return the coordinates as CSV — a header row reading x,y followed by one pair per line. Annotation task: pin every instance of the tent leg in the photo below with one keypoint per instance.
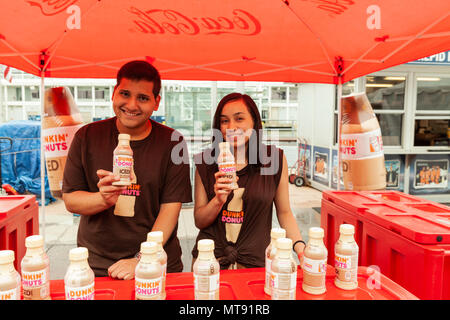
x,y
42,231
339,96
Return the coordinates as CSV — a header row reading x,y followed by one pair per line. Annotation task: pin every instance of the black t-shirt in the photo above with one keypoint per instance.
x,y
161,167
241,231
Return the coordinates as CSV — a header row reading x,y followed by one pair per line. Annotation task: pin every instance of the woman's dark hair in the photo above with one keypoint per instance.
x,y
140,70
255,140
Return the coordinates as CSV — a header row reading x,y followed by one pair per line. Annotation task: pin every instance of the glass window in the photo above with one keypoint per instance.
x,y
432,132
293,94
188,110
102,94
84,93
386,92
279,93
14,93
433,93
31,93
391,128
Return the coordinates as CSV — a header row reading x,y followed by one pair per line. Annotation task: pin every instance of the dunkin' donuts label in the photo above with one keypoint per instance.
x,y
80,293
57,140
13,294
36,284
314,266
147,288
229,168
123,165
359,146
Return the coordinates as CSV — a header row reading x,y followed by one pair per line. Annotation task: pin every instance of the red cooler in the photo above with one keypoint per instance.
x,y
407,237
19,218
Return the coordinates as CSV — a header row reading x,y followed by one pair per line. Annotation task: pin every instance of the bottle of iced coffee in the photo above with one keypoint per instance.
x,y
361,145
60,122
206,272
123,161
9,277
227,164
157,236
275,234
79,279
346,258
315,263
148,277
35,270
284,271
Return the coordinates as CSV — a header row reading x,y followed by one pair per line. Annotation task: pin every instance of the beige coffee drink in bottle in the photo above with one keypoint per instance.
x,y
35,270
148,273
227,164
60,122
315,263
123,161
157,236
275,233
9,277
361,145
79,280
284,271
346,258
206,272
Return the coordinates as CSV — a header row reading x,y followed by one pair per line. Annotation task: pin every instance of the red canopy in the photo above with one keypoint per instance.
x,y
251,40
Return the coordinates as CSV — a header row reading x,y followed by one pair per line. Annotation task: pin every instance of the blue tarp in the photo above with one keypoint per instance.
x,y
21,164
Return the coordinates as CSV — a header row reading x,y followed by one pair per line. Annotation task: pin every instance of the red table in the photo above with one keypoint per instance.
x,y
247,284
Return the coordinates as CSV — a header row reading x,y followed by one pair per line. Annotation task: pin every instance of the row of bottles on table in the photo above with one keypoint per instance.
x,y
281,269
34,284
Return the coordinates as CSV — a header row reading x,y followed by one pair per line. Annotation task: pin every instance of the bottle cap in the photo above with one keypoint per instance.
x,y
205,245
6,256
277,233
346,229
149,247
284,244
124,136
315,232
35,241
156,236
77,254
224,145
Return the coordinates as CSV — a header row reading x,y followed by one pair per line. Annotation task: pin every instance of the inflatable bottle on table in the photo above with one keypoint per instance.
x,y
361,145
61,121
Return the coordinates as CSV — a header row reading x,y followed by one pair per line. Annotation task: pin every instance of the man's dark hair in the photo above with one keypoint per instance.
x,y
140,70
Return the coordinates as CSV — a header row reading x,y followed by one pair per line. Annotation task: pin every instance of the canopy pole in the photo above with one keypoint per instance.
x,y
339,96
42,230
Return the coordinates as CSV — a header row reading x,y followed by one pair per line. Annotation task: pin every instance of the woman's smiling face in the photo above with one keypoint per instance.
x,y
236,123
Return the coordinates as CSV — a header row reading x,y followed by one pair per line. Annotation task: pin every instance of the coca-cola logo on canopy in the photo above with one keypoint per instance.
x,y
159,21
51,7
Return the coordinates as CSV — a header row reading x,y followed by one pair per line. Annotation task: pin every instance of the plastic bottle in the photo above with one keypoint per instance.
x,y
284,271
60,122
361,145
275,234
227,164
346,258
148,273
315,263
123,161
9,277
206,272
79,279
35,270
157,236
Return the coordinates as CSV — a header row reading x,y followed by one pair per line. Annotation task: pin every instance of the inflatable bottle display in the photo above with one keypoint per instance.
x,y
361,145
61,121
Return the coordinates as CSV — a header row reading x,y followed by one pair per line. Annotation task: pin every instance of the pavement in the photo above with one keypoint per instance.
x,y
61,227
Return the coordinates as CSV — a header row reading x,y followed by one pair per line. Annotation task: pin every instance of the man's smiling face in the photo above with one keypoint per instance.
x,y
134,103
